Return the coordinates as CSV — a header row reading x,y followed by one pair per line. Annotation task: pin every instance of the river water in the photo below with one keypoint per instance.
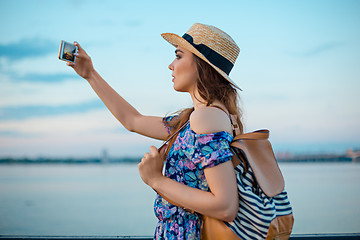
x,y
107,200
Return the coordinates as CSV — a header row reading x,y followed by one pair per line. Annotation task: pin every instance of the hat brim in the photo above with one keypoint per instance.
x,y
176,41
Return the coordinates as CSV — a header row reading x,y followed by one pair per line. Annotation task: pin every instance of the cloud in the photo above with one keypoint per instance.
x,y
24,112
26,48
96,121
43,78
320,49
16,134
132,23
35,93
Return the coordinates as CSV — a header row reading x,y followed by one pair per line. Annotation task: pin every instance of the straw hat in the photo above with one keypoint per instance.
x,y
210,44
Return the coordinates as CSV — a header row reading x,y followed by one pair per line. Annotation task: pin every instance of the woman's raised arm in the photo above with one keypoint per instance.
x,y
129,117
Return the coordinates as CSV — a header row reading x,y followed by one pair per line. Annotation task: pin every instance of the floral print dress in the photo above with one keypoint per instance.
x,y
190,154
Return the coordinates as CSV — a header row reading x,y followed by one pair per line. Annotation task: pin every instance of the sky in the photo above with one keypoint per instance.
x,y
299,68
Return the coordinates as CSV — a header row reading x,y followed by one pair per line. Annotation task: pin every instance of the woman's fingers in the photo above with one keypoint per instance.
x,y
83,64
154,154
78,45
151,166
163,150
154,150
147,155
80,50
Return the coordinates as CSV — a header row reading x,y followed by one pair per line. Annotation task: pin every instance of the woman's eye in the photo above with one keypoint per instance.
x,y
177,56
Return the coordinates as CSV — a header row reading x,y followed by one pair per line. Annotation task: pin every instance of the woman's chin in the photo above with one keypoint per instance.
x,y
178,89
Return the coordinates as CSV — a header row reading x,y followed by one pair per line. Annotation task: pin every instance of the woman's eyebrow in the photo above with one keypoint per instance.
x,y
178,50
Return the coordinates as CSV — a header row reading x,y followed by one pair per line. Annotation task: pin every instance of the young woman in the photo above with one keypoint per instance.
x,y
199,178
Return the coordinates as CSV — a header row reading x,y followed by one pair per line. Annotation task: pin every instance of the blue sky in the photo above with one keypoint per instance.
x,y
299,67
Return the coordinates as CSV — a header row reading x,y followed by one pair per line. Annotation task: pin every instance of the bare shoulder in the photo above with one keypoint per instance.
x,y
209,120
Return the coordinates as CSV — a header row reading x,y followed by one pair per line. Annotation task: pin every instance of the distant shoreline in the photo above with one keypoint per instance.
x,y
70,160
281,158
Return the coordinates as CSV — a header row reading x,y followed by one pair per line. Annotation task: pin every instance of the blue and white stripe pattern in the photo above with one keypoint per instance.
x,y
256,210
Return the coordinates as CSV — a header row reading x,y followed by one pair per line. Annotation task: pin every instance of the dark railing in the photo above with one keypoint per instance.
x,y
340,236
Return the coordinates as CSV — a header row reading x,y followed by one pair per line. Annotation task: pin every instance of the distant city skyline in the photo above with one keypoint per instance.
x,y
298,68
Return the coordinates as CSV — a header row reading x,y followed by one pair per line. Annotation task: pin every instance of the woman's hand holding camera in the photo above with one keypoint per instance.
x,y
83,64
151,165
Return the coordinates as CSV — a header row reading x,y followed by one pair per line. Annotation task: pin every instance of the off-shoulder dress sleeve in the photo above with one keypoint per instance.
x,y
212,149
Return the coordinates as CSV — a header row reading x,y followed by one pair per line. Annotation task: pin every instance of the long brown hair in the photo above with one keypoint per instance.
x,y
211,86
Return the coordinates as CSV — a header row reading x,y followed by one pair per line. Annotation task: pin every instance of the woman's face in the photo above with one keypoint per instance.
x,y
184,70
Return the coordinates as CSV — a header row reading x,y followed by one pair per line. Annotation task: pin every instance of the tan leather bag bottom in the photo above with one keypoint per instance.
x,y
212,229
280,228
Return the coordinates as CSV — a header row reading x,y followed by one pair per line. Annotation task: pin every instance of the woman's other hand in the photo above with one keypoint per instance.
x,y
151,165
83,64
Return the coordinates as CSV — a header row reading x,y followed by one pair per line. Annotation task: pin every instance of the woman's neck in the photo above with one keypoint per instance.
x,y
199,102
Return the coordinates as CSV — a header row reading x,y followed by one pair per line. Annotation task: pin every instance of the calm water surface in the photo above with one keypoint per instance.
x,y
112,200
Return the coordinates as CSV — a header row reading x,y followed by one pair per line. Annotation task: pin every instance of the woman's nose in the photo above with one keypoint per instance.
x,y
171,66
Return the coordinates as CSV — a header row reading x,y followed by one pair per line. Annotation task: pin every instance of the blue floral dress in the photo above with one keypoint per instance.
x,y
190,154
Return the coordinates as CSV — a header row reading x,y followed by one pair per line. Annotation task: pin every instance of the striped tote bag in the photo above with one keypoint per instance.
x,y
264,210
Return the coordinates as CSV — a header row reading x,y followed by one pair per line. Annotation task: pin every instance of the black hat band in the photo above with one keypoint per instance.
x,y
215,58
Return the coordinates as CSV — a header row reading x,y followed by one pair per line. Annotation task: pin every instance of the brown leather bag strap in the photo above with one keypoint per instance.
x,y
256,135
236,129
173,135
233,120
